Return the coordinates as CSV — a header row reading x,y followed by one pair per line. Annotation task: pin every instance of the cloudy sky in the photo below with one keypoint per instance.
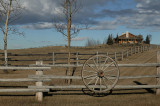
x,y
104,17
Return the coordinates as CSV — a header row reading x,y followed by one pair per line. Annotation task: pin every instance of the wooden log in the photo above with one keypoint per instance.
x,y
39,95
96,86
77,59
119,65
127,53
24,68
122,55
53,58
158,73
23,80
24,90
115,56
79,77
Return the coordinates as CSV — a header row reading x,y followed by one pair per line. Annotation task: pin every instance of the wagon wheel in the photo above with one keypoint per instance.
x,y
100,73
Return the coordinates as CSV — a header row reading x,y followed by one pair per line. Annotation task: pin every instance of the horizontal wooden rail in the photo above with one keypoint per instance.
x,y
79,77
24,68
23,80
120,65
83,86
24,90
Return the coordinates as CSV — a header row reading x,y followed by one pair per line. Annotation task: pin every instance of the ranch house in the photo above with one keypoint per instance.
x,y
128,38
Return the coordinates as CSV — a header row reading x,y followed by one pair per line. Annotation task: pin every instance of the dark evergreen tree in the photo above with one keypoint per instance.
x,y
117,39
110,39
148,39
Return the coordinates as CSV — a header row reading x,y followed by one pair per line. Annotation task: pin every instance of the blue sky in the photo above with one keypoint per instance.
x,y
103,16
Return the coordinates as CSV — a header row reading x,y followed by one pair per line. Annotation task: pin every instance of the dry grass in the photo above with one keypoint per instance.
x,y
140,97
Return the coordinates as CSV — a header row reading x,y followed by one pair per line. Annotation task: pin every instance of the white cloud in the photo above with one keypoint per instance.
x,y
44,25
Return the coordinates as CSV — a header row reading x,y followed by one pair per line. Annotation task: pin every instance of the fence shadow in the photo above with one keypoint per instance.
x,y
149,90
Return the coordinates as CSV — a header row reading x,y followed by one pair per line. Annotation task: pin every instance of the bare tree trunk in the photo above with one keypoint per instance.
x,y
5,35
69,38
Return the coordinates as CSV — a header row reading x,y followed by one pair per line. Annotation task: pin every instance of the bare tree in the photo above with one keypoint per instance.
x,y
10,11
64,24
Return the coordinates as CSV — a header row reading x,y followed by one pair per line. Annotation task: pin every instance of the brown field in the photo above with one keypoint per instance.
x,y
76,97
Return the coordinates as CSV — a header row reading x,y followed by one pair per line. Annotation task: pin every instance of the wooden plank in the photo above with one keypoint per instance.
x,y
24,90
23,80
120,65
79,77
54,77
24,68
96,86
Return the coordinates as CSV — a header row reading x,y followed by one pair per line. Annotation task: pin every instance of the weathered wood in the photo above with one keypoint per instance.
x,y
79,77
23,80
120,65
115,56
158,73
24,68
127,53
97,86
122,56
24,90
39,95
54,77
53,58
77,59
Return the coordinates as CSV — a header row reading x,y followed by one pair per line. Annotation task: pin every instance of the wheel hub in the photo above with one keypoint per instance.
x,y
100,74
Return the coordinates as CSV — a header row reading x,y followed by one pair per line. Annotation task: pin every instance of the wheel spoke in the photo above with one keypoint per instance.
x,y
104,82
100,84
109,70
104,63
95,63
109,80
91,67
108,66
90,76
91,80
96,81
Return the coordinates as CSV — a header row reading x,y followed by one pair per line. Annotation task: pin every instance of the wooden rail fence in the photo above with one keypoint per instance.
x,y
38,81
39,78
61,58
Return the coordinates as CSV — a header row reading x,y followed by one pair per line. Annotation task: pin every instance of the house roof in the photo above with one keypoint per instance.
x,y
128,35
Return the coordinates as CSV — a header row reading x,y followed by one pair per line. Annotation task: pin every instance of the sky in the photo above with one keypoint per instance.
x,y
103,17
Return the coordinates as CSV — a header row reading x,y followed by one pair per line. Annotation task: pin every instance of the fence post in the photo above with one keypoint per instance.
x,y
127,53
135,51
122,55
131,51
141,49
138,49
39,95
115,56
77,58
107,54
53,58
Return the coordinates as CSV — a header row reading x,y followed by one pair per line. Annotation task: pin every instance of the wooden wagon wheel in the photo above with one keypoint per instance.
x,y
100,73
